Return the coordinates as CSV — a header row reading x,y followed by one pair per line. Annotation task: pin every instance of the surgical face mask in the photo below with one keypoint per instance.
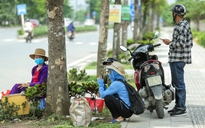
x,y
39,61
111,75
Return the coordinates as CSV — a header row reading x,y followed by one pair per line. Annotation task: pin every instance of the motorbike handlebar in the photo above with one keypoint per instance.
x,y
156,45
130,59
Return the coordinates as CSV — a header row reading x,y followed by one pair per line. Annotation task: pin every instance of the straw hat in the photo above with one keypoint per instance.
x,y
118,67
39,52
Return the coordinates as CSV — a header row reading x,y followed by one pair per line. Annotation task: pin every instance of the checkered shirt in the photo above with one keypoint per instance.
x,y
181,44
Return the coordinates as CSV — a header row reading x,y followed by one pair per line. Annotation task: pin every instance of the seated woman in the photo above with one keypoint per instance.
x,y
39,72
118,109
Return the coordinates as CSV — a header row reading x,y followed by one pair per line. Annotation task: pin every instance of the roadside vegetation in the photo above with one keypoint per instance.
x,y
36,118
43,30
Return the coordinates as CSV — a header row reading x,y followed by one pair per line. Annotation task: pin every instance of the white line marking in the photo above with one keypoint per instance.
x,y
80,60
93,43
78,42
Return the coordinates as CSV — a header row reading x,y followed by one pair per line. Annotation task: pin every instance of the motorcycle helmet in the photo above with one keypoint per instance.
x,y
178,9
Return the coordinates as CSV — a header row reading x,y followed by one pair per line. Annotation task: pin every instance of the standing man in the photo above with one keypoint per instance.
x,y
179,55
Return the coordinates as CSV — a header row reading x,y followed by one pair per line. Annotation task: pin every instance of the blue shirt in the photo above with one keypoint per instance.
x,y
116,87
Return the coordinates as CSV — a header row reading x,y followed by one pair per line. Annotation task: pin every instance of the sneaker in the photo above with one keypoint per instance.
x,y
178,112
172,110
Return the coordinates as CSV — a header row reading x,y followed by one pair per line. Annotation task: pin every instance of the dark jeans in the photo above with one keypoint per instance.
x,y
177,73
115,108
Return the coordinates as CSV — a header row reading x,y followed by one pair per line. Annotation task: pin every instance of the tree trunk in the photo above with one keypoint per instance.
x,y
102,44
116,37
124,29
197,24
152,21
158,21
136,27
57,100
144,28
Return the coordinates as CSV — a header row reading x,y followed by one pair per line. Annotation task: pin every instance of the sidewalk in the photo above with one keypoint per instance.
x,y
195,86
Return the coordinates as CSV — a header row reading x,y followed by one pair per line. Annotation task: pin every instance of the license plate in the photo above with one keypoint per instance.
x,y
155,80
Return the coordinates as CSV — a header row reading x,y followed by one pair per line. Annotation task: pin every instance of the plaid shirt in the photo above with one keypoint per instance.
x,y
181,44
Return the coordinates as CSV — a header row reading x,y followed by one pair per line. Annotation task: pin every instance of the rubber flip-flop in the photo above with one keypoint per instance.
x,y
115,121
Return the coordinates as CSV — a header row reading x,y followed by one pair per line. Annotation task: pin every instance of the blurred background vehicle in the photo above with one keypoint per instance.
x,y
89,22
67,21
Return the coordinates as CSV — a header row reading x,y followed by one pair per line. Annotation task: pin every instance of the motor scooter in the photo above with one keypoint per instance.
x,y
149,78
70,35
28,36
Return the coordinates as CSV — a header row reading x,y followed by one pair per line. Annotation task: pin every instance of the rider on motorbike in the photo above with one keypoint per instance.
x,y
71,29
28,27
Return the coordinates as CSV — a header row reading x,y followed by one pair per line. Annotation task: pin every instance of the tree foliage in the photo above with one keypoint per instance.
x,y
194,8
94,5
36,9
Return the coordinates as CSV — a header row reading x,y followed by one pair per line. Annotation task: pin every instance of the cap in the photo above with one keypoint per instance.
x,y
109,60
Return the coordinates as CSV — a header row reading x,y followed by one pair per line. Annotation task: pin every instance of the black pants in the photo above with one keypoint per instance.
x,y
116,108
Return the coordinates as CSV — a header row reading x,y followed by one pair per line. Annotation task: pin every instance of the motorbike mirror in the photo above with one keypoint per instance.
x,y
123,48
156,35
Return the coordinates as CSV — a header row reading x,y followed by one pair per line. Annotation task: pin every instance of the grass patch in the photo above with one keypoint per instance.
x,y
92,65
54,121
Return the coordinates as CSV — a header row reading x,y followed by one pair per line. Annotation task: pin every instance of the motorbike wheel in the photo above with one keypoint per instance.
x,y
159,109
28,39
70,38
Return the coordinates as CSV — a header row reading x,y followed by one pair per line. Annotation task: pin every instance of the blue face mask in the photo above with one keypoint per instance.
x,y
111,75
39,61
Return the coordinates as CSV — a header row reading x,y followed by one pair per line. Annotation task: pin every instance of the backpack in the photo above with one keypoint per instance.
x,y
137,105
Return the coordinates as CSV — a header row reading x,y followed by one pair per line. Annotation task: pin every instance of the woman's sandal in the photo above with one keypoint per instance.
x,y
115,121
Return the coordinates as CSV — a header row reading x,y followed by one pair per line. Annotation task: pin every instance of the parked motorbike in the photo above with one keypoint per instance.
x,y
149,78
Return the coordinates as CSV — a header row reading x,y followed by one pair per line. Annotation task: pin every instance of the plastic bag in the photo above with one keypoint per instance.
x,y
80,112
96,104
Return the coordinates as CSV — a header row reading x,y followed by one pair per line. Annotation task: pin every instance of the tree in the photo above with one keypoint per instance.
x,y
7,11
94,5
57,100
67,9
102,44
124,28
36,9
136,21
116,37
195,11
160,4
